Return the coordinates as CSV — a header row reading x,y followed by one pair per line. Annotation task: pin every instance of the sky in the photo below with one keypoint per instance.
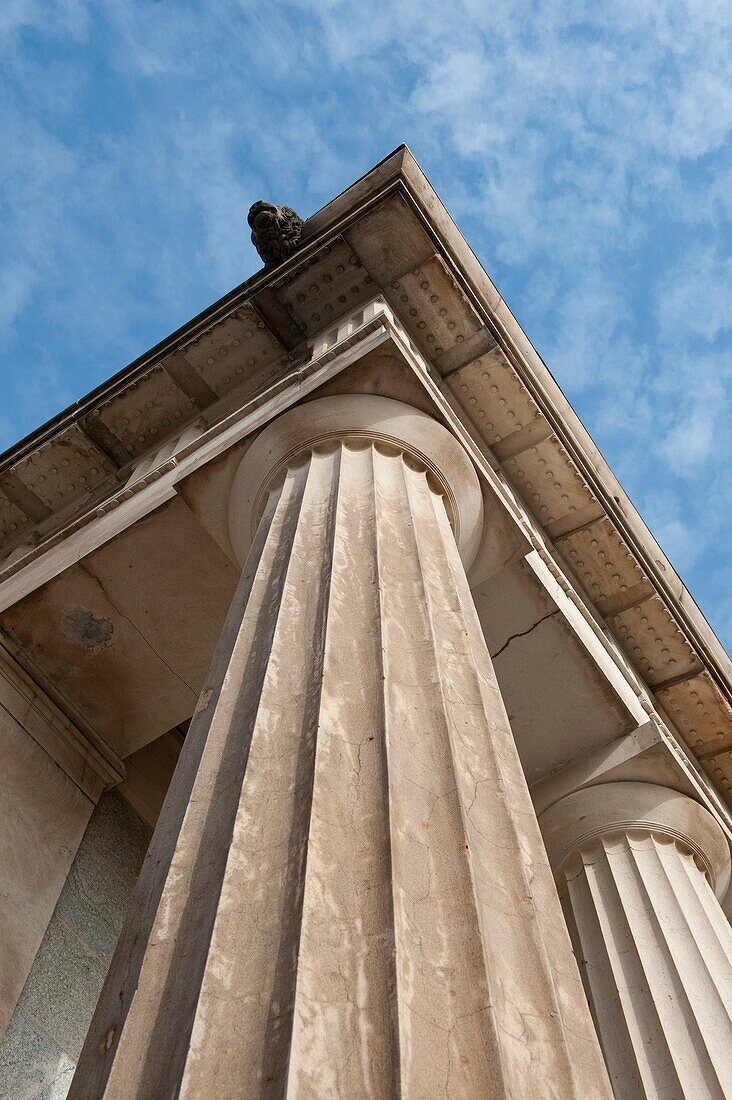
x,y
582,148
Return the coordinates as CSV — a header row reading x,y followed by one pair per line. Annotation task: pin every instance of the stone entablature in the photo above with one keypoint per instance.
x,y
387,234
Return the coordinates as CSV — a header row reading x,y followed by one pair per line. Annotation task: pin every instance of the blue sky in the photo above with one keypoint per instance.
x,y
583,149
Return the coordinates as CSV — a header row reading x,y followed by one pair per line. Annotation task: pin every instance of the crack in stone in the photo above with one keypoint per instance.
x,y
523,633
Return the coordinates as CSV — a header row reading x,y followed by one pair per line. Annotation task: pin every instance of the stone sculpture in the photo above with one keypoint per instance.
x,y
276,231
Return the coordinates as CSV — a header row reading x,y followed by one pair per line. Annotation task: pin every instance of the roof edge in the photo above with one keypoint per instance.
x,y
400,170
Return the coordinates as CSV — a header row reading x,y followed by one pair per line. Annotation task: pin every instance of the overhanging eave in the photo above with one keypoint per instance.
x,y
389,232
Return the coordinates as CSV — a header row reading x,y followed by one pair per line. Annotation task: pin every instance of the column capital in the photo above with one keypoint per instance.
x,y
357,420
584,816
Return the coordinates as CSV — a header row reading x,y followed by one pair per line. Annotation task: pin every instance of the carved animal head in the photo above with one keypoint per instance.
x,y
276,231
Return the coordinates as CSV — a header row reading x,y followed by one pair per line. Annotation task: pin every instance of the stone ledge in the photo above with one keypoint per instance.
x,y
92,767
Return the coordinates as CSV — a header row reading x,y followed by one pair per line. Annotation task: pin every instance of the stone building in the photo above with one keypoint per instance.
x,y
450,742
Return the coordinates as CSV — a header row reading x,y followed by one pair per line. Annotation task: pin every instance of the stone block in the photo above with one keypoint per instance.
x,y
94,902
63,987
32,1067
119,835
43,815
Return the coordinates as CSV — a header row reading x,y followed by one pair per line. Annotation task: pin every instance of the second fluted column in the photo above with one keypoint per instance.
x,y
637,867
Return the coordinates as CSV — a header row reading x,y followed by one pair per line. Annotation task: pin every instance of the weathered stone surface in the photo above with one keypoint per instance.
x,y
94,901
347,894
149,772
120,837
422,297
324,287
128,632
389,242
85,759
240,353
655,641
14,523
63,987
276,231
543,671
142,416
68,467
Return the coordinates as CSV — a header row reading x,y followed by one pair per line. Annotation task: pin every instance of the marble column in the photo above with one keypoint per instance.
x,y
637,867
347,894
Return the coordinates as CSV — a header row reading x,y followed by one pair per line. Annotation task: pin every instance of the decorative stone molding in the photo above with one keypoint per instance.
x,y
88,762
323,288
637,867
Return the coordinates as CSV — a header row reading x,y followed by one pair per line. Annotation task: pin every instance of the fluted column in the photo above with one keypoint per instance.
x,y
347,895
637,867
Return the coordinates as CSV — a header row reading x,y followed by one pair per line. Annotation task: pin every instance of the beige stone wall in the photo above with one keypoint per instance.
x,y
43,814
48,1026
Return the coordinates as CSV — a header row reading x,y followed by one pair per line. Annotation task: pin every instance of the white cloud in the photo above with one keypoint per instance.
x,y
67,17
689,444
581,148
696,296
681,543
16,283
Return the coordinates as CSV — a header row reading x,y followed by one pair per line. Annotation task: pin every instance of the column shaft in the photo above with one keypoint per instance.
x,y
347,895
